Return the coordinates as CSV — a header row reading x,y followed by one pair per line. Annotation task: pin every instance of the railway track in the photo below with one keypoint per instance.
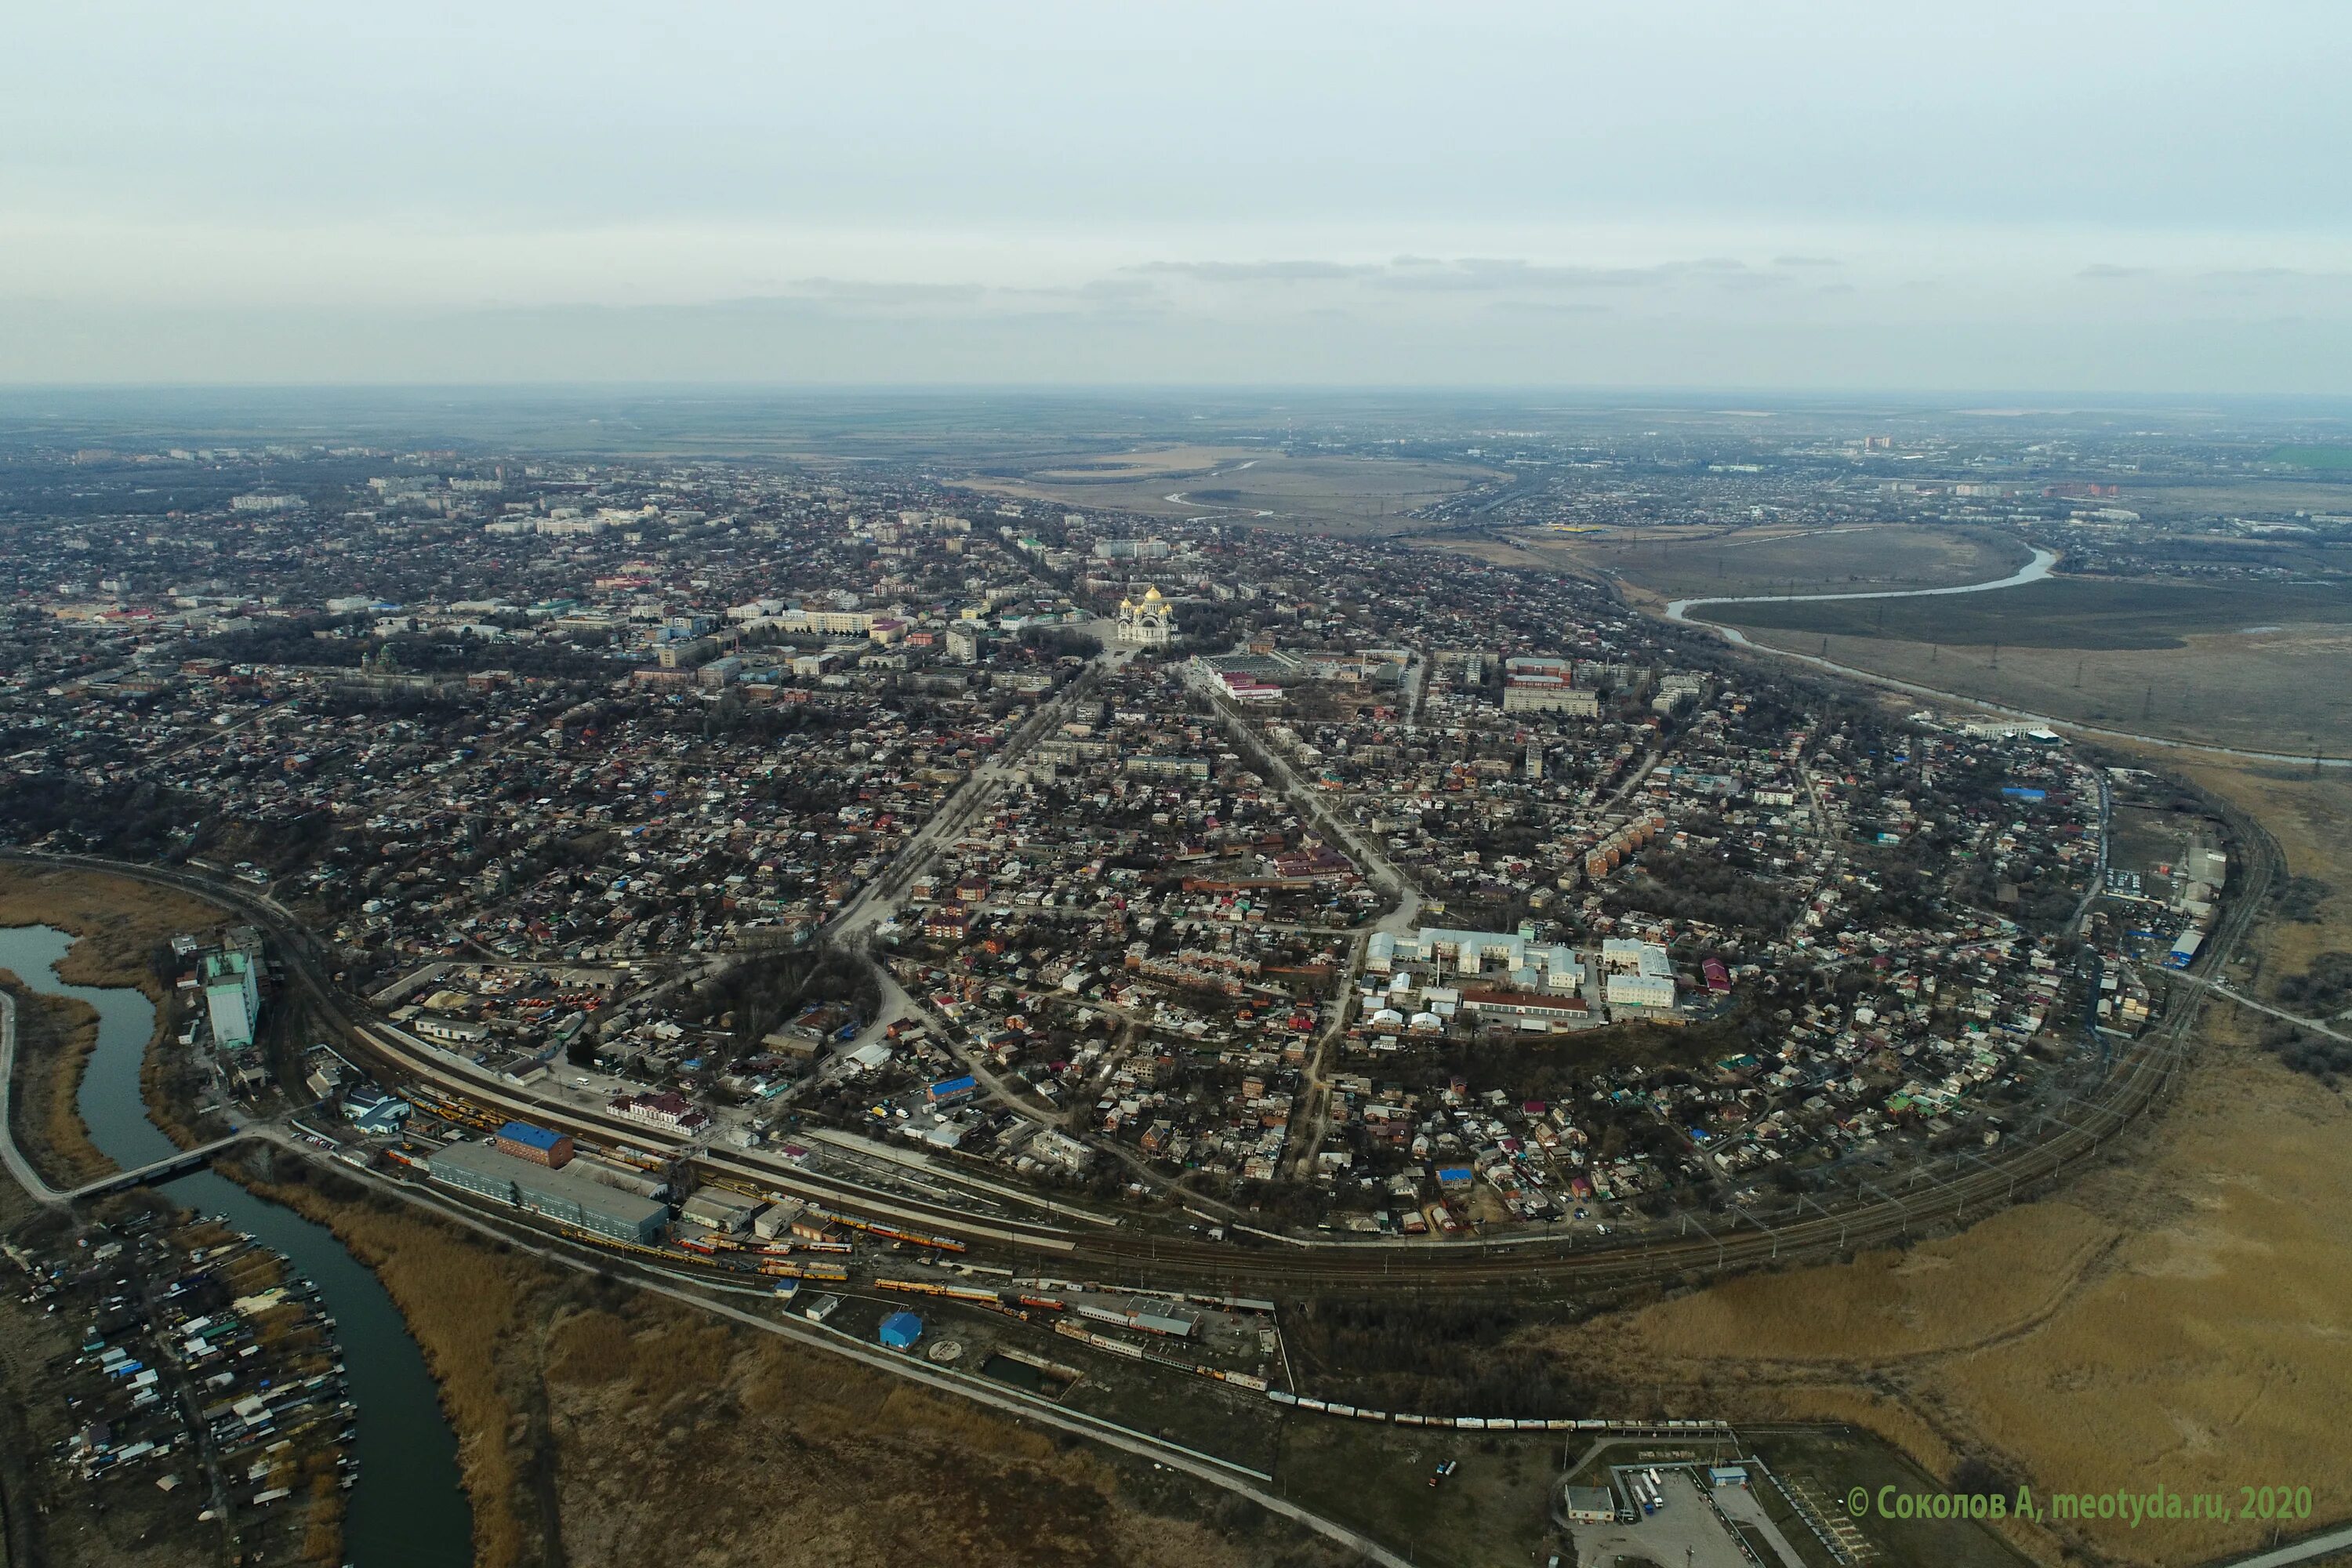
x,y
2141,1078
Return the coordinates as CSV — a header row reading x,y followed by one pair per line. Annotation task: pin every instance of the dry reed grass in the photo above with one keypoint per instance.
x,y
117,921
654,1433
463,1304
2181,1316
54,1035
1994,1279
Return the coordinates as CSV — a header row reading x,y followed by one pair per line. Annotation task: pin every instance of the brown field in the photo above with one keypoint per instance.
x,y
1147,463
54,1035
2286,691
1265,488
2180,1315
601,1425
2311,817
2250,493
118,922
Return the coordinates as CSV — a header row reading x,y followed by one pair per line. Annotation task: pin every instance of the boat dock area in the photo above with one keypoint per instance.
x,y
194,1385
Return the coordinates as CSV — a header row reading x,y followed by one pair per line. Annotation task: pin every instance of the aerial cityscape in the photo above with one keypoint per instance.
x,y
1092,909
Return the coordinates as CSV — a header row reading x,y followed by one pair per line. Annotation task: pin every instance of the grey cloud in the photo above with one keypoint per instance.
x,y
852,291
1508,308
1467,274
1256,271
1470,274
2108,270
2244,275
1807,261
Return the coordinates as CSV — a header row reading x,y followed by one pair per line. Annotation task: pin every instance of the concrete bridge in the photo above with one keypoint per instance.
x,y
162,1170
14,1159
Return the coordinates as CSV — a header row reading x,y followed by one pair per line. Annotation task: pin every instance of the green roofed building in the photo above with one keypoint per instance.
x,y
232,997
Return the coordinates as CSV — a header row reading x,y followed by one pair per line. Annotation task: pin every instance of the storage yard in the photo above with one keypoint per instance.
x,y
197,1387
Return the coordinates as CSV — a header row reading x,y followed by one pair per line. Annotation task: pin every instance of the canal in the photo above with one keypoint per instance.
x,y
407,1509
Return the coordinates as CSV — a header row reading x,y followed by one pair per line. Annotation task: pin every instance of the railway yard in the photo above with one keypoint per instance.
x,y
924,938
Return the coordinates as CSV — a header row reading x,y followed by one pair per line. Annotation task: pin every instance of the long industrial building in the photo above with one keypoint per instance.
x,y
562,1195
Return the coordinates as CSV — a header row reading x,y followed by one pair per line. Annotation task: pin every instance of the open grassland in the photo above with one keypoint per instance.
x,y
1691,563
1492,1510
1152,463
601,1425
2328,458
2181,1316
2057,613
1267,487
54,1035
2311,816
2194,499
2287,690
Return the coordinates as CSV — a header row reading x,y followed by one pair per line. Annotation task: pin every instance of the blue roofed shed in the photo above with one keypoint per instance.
x,y
948,1091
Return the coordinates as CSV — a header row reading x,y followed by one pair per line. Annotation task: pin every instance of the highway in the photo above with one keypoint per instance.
x,y
1005,1399
10,1155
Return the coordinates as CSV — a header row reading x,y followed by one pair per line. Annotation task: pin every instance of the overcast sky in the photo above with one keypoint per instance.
x,y
2151,197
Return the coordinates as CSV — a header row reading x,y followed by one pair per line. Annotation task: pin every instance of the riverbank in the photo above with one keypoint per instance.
x,y
2033,570
119,924
408,1507
182,1405
592,1413
462,1310
120,928
54,1037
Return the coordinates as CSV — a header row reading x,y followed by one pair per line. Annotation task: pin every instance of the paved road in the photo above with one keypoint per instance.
x,y
1311,1117
2302,1551
1541,1259
1010,1401
2219,989
14,1158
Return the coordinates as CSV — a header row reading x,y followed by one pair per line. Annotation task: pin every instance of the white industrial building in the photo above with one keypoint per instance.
x,y
1494,954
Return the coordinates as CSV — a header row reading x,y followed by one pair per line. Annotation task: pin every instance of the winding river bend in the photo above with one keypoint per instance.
x,y
407,1509
2032,571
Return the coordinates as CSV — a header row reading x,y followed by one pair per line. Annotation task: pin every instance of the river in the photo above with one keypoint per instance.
x,y
407,1509
2032,571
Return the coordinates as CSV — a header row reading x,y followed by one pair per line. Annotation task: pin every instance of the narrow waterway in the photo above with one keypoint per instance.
x,y
407,1509
2032,571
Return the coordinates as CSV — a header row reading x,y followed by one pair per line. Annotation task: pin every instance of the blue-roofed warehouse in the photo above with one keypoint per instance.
x,y
536,1144
902,1329
953,1090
